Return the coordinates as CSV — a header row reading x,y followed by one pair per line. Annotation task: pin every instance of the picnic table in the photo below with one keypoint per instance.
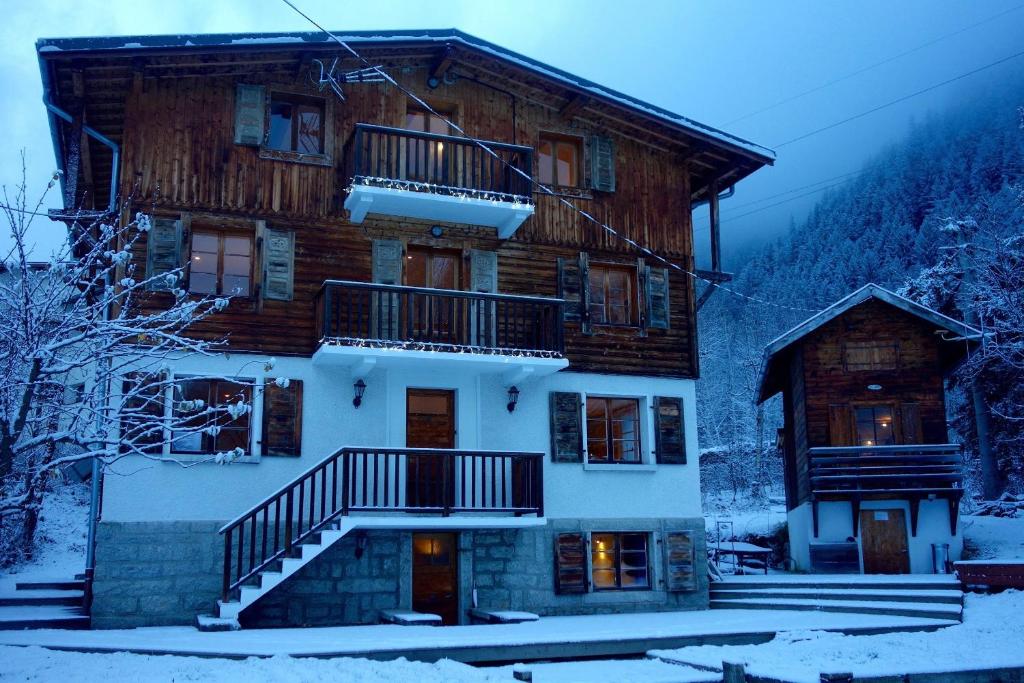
x,y
741,551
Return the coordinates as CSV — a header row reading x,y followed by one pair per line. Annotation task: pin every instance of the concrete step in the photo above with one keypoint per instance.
x,y
42,597
952,597
921,610
42,616
50,584
847,581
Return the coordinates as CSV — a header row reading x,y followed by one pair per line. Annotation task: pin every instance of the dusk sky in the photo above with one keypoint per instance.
x,y
713,62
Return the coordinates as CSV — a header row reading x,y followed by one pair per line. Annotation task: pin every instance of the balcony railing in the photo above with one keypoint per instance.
x,y
917,469
379,480
363,313
440,164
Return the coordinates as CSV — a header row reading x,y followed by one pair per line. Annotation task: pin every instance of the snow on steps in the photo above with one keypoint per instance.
x,y
268,580
43,604
930,597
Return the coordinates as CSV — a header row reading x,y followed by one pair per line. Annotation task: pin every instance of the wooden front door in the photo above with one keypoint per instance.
x,y
429,423
883,538
435,576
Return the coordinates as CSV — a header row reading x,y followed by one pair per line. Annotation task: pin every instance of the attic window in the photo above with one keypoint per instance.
x,y
871,355
296,124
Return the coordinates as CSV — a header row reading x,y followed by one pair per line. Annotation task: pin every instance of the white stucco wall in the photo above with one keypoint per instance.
x,y
835,526
138,489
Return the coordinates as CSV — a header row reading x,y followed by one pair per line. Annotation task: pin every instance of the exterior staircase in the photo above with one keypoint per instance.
x,y
44,604
922,596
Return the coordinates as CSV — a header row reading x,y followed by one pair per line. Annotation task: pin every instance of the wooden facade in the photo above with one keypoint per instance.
x,y
173,112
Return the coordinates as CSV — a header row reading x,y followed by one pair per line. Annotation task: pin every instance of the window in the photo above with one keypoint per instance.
x,y
612,295
870,355
619,561
559,160
221,263
425,122
613,430
296,124
875,425
229,432
433,268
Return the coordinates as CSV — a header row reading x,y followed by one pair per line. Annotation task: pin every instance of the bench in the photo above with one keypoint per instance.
x,y
407,617
500,616
993,573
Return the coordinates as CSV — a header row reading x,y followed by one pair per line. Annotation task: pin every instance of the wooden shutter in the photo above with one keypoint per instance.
x,y
250,114
910,423
278,264
680,574
602,163
656,298
483,270
641,295
670,435
569,289
570,564
387,262
566,427
163,252
586,327
840,425
385,307
282,418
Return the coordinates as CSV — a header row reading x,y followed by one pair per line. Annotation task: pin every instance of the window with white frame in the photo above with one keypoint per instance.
x,y
613,430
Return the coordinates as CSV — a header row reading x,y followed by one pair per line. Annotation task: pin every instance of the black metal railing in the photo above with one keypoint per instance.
x,y
438,319
413,160
412,480
878,469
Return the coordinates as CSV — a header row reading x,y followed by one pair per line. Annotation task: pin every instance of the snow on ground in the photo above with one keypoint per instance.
x,y
741,518
987,538
990,636
35,663
60,537
626,670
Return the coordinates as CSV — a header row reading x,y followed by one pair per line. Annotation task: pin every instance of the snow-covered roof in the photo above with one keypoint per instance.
x,y
47,46
869,291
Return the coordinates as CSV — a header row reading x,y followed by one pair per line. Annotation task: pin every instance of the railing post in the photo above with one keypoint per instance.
x,y
344,483
288,523
539,488
226,588
327,310
446,473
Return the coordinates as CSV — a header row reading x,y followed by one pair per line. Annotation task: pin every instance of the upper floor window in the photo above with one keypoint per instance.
x,y
426,122
870,355
560,159
619,561
613,430
229,434
221,262
613,295
296,124
875,425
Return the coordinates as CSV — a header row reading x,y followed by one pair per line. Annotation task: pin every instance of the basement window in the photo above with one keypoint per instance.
x,y
619,561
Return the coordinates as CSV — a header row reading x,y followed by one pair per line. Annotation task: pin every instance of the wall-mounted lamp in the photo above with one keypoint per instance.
x,y
360,388
874,387
362,541
513,398
436,231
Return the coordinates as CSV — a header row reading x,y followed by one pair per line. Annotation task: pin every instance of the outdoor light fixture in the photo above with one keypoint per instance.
x,y
360,387
436,230
513,398
874,387
362,540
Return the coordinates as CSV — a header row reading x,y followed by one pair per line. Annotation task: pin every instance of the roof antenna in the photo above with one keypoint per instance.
x,y
330,78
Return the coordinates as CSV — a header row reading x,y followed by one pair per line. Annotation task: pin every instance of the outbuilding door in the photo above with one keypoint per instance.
x,y
883,538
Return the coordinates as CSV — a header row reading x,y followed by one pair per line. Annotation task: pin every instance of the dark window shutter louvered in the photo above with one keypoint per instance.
x,y
163,252
282,419
910,422
670,435
278,264
840,425
569,289
656,298
680,574
250,114
602,164
566,427
387,262
641,280
586,327
483,269
387,270
570,564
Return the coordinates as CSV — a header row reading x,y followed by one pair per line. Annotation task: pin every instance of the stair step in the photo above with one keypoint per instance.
x,y
43,616
923,610
850,581
42,597
208,623
228,610
953,597
55,584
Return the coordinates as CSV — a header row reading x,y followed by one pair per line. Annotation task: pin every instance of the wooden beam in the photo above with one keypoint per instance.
x,y
814,516
440,67
915,511
574,105
954,510
855,509
713,215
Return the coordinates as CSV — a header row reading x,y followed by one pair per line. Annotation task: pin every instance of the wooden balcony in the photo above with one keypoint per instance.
x,y
913,473
379,482
365,323
405,173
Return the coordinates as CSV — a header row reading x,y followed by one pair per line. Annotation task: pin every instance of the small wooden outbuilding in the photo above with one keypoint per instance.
x,y
871,479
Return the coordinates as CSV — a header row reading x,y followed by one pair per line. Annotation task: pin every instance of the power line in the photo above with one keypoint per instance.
x,y
529,178
898,100
734,207
873,66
